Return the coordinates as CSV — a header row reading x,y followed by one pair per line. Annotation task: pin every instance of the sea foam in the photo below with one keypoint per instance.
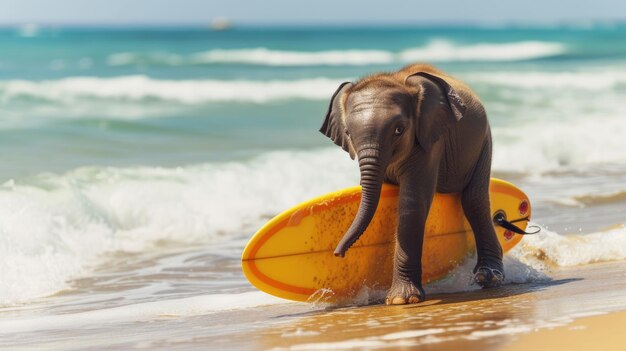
x,y
544,144
534,258
439,50
56,228
589,80
550,248
531,88
138,312
142,88
445,51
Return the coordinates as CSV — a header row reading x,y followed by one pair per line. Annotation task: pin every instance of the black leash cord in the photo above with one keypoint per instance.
x,y
500,219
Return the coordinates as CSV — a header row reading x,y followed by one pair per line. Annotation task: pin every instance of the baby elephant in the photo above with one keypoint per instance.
x,y
427,132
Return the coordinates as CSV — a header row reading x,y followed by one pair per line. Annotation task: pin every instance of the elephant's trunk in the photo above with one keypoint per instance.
x,y
372,167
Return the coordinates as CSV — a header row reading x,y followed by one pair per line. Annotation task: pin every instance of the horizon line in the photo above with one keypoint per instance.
x,y
330,24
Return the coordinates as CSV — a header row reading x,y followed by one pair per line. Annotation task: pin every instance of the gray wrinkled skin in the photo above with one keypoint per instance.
x,y
426,132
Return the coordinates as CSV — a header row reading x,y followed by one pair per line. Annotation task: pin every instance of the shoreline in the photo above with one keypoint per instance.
x,y
474,320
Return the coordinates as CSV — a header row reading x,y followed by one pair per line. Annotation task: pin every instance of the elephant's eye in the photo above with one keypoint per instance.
x,y
399,130
347,132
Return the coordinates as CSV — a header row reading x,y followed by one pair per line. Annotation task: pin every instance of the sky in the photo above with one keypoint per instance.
x,y
295,12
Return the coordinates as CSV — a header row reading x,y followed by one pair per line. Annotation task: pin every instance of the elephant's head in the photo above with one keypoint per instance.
x,y
380,120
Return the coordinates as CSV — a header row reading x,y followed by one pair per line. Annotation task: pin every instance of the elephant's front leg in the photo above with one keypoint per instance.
x,y
415,200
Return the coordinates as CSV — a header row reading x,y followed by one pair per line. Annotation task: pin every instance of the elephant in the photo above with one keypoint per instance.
x,y
426,132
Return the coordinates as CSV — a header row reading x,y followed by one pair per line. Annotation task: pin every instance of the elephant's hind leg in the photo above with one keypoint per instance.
x,y
489,270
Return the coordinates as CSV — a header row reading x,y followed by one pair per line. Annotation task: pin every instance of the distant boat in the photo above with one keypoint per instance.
x,y
220,23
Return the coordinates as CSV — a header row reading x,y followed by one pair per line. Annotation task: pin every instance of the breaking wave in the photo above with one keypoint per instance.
x,y
142,88
578,80
539,146
444,51
139,88
434,51
57,227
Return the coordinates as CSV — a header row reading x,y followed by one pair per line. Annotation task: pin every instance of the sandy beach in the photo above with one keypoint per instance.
x,y
481,320
584,301
603,332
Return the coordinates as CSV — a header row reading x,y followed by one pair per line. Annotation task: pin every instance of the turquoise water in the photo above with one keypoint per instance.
x,y
123,97
137,162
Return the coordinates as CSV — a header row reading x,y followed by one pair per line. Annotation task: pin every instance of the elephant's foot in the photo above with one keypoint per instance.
x,y
489,274
404,292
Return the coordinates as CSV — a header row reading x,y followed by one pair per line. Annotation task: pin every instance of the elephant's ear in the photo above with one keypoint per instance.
x,y
334,126
439,107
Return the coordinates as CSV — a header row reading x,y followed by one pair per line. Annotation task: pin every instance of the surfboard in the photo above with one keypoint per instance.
x,y
291,256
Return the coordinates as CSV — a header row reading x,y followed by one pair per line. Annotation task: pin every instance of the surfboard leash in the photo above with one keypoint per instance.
x,y
500,219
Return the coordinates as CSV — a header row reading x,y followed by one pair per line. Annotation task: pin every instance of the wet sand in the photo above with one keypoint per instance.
x,y
478,320
605,332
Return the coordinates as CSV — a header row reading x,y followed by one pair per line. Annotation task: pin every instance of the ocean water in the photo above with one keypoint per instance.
x,y
138,162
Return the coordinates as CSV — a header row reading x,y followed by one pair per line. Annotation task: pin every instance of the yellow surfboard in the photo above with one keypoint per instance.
x,y
292,255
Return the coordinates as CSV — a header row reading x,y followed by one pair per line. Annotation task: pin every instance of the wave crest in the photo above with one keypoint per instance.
x,y
579,80
434,51
263,56
139,88
444,51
